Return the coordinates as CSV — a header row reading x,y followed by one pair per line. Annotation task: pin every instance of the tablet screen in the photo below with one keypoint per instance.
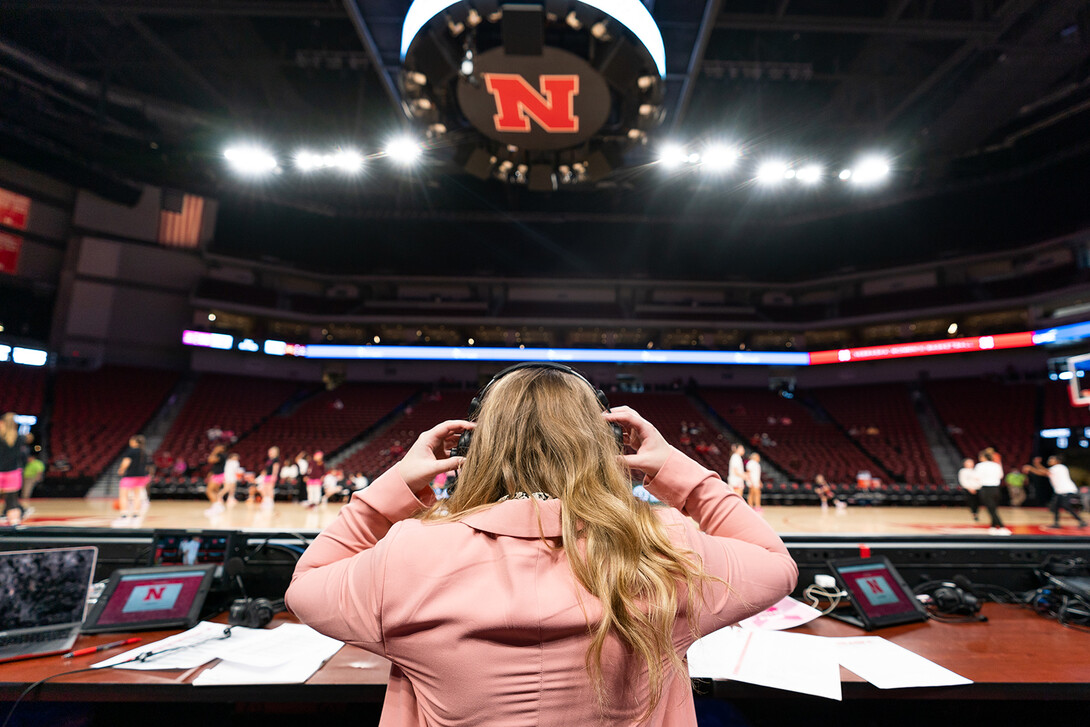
x,y
150,598
875,590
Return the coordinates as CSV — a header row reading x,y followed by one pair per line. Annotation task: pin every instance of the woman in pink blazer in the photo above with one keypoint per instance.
x,y
542,592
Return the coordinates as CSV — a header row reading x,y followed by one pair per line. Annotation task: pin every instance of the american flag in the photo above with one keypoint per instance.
x,y
182,228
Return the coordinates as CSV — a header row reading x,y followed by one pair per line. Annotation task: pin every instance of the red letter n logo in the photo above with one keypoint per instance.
x,y
154,594
517,102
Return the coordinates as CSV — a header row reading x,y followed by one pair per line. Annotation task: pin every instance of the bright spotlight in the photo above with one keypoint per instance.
x,y
404,150
870,171
771,172
952,329
789,174
307,161
250,159
673,155
845,174
719,157
810,174
347,160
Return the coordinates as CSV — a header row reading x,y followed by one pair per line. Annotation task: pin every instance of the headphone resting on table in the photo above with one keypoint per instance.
x,y
952,599
466,438
254,613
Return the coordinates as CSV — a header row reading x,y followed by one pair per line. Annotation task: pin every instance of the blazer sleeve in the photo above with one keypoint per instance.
x,y
337,586
734,544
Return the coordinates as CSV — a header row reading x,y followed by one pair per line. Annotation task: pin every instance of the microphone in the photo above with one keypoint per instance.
x,y
234,567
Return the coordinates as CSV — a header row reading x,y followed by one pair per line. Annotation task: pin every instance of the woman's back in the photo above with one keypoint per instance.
x,y
486,623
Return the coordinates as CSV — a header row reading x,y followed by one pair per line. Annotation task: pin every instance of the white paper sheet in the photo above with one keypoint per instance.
x,y
889,666
262,648
202,644
306,651
795,662
787,613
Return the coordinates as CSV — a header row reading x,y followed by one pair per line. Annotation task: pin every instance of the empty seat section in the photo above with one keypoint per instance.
x,y
233,403
882,420
21,389
803,447
980,413
389,445
95,412
326,421
667,411
1059,411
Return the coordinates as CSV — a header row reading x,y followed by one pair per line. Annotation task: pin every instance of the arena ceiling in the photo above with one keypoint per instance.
x,y
982,107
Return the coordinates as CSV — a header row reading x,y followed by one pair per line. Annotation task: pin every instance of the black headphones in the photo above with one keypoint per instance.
x,y
254,613
466,438
951,599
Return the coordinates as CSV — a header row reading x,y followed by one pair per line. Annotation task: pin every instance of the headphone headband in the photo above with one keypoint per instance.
x,y
600,395
464,441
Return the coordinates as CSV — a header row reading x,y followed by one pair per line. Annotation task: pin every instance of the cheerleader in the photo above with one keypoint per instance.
x,y
134,481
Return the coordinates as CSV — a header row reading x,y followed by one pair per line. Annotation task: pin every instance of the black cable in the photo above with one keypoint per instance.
x,y
265,543
139,657
35,685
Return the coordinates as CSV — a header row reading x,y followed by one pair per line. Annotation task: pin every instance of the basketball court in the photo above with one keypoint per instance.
x,y
100,513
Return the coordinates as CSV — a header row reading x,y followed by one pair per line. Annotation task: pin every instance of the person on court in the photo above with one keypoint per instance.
x,y
214,482
753,476
1064,492
736,468
133,487
11,468
268,477
989,473
968,481
232,472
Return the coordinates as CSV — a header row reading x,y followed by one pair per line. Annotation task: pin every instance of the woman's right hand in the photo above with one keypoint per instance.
x,y
428,456
652,449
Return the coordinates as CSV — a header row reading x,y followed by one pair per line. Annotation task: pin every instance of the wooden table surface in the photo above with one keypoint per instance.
x,y
1016,654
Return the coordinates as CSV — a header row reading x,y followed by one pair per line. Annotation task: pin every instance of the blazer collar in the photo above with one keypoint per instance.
x,y
519,519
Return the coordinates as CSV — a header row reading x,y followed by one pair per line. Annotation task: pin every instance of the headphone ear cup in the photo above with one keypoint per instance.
x,y
462,446
263,613
947,599
618,434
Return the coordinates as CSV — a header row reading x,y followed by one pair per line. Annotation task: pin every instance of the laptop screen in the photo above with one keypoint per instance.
x,y
44,587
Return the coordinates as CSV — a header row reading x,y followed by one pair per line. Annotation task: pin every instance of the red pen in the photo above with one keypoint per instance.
x,y
103,647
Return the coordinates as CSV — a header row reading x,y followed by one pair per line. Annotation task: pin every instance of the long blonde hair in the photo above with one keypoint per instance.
x,y
9,430
541,429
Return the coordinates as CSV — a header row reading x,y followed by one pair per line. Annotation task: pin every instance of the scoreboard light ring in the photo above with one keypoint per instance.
x,y
630,13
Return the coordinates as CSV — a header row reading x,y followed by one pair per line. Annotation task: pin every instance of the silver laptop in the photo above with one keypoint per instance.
x,y
43,599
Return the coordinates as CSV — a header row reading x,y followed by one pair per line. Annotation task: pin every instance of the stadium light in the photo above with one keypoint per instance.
x,y
672,155
720,157
870,170
772,172
810,174
404,150
308,161
250,160
347,160
845,175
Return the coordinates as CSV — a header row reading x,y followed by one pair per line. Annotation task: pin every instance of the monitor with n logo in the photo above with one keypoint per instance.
x,y
137,599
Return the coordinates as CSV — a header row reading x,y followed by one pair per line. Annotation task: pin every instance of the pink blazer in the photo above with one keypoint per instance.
x,y
485,623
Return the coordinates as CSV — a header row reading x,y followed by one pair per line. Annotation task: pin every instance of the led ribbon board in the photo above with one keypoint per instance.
x,y
1024,339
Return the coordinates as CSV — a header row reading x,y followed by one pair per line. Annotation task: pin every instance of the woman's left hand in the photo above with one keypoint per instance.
x,y
428,455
